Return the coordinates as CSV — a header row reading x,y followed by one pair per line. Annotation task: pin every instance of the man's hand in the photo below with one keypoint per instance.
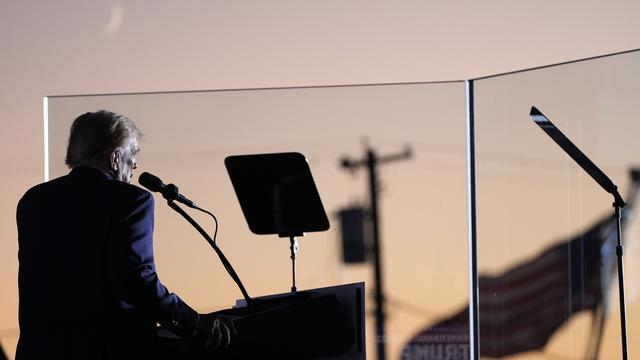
x,y
215,331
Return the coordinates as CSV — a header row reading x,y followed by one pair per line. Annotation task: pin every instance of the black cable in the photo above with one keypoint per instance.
x,y
215,222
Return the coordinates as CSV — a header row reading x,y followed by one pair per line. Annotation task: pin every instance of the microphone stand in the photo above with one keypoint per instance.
x,y
223,259
603,180
619,251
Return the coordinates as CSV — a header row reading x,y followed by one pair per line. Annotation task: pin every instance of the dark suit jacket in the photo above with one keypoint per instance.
x,y
87,280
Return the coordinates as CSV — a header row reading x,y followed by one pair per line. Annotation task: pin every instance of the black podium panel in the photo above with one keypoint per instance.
x,y
325,323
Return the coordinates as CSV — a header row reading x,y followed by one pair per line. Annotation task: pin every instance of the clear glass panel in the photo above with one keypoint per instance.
x,y
423,200
545,254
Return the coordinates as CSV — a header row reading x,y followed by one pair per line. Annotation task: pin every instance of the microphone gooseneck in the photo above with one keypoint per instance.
x,y
170,192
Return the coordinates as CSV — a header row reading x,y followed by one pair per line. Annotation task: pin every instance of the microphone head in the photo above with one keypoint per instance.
x,y
151,182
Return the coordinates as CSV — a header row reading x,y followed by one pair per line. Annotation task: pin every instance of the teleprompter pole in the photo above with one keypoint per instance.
x,y
294,250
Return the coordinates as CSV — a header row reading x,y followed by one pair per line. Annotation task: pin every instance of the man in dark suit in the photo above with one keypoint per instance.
x,y
87,281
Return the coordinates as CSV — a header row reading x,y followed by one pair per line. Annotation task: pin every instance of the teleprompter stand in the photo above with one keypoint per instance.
x,y
576,154
277,195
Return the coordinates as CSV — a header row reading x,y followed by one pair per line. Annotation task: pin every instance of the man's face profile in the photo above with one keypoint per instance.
x,y
127,161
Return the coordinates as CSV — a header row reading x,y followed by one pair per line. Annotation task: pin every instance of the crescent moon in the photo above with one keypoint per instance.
x,y
115,19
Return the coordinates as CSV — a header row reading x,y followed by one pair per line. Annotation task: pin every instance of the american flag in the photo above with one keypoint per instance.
x,y
521,309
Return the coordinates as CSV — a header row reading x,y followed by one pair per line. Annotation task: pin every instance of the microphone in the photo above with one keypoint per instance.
x,y
169,192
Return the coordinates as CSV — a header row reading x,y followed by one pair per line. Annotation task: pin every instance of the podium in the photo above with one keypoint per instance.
x,y
324,323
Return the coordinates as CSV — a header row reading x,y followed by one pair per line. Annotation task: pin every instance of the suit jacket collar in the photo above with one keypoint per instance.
x,y
89,172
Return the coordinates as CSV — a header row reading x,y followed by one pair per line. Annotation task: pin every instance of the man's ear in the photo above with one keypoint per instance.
x,y
114,160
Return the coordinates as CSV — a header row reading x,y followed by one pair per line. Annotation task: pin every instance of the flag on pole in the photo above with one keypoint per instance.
x,y
520,309
523,307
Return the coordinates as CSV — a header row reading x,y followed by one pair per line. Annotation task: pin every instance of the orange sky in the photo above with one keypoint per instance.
x,y
77,47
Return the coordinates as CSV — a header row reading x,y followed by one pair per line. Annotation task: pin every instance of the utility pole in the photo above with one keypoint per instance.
x,y
371,162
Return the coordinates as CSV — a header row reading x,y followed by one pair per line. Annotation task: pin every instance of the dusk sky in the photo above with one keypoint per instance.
x,y
97,47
